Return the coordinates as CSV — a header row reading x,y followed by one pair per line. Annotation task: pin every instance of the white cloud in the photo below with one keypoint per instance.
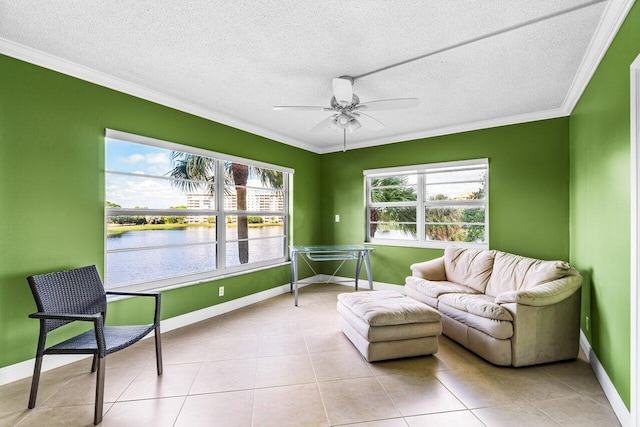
x,y
150,193
132,159
157,158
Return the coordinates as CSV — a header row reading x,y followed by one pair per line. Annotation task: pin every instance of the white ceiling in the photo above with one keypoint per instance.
x,y
232,61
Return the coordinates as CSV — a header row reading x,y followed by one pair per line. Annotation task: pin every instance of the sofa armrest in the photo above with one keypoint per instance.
x,y
545,294
430,270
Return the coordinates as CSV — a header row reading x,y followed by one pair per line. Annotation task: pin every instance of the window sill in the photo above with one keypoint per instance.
x,y
167,285
426,245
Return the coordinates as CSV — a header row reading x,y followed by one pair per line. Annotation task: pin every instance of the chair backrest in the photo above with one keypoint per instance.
x,y
77,291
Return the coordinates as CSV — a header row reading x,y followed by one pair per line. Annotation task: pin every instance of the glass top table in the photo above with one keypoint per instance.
x,y
343,253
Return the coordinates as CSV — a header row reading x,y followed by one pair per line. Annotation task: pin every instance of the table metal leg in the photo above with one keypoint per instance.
x,y
358,268
367,264
294,267
291,277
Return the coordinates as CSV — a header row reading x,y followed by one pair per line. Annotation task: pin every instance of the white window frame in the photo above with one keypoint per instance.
x,y
221,270
421,171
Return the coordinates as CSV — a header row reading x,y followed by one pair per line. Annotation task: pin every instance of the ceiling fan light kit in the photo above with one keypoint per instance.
x,y
345,105
347,111
343,120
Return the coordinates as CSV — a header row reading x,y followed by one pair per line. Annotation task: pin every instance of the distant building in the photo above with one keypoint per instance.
x,y
199,201
257,201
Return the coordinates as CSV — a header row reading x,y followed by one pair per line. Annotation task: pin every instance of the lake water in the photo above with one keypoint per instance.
x,y
136,266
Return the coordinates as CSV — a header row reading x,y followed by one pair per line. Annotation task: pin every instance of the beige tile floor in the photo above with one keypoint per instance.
x,y
273,364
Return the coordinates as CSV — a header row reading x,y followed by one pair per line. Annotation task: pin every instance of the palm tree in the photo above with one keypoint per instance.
x,y
443,216
394,189
188,168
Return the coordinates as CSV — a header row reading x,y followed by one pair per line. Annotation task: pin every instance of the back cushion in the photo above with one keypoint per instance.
x,y
469,267
514,273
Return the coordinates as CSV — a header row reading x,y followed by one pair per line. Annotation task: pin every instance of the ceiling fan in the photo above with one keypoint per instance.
x,y
347,113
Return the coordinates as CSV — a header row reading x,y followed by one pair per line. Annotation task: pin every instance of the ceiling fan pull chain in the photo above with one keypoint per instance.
x,y
344,147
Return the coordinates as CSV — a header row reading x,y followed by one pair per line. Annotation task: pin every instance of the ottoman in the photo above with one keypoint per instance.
x,y
388,325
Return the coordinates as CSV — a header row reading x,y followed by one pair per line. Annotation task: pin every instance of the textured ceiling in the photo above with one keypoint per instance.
x,y
232,61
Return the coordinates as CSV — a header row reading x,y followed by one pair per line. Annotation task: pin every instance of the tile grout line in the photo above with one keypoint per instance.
x,y
184,402
459,400
315,375
466,360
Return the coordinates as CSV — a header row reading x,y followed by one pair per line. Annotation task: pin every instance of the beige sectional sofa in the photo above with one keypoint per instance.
x,y
508,309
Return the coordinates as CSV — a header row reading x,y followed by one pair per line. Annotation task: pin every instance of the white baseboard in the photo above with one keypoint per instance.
x,y
610,391
24,369
21,370
363,284
218,309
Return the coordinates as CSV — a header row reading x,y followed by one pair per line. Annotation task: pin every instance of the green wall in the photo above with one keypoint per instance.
x,y
559,189
52,189
528,191
600,203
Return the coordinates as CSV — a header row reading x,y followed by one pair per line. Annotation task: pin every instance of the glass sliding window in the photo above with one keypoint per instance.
x,y
455,204
175,214
429,205
392,210
265,239
254,207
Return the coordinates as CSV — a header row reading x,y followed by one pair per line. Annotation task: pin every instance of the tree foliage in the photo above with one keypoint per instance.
x,y
389,190
445,223
453,222
188,168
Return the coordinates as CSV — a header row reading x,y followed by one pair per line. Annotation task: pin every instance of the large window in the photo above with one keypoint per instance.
x,y
176,214
429,205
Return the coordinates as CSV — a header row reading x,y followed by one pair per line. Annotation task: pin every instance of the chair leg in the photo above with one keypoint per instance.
x,y
97,417
94,364
34,382
158,350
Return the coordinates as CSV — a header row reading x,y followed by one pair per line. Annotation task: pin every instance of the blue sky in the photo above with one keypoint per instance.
x,y
151,190
130,191
137,158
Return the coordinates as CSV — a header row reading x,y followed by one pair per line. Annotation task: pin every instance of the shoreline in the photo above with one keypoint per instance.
x,y
117,230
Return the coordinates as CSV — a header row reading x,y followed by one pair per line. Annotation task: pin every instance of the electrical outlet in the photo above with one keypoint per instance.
x,y
337,218
221,291
587,323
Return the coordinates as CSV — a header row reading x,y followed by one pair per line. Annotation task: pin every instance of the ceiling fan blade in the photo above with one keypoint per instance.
x,y
388,104
300,108
323,124
343,90
369,122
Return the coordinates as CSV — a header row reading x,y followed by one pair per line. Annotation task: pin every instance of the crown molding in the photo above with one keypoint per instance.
x,y
614,15
52,62
611,21
448,130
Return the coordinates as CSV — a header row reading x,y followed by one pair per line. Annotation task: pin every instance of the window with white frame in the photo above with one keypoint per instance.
x,y
177,214
430,205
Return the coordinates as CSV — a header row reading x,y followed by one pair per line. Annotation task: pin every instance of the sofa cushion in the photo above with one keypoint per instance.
x,y
499,329
383,308
434,289
480,305
469,267
514,273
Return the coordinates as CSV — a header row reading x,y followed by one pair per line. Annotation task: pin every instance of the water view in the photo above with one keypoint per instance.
x,y
140,256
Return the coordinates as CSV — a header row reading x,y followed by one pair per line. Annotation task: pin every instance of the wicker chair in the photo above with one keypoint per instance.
x,y
78,295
